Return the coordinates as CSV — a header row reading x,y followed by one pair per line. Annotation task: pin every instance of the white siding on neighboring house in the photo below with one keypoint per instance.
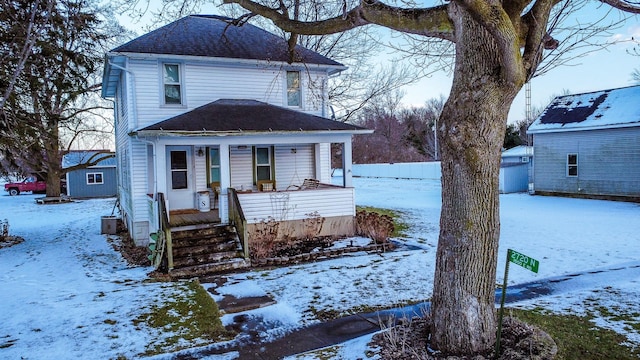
x,y
608,162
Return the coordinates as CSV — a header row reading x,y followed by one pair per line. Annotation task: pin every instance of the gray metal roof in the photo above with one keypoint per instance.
x,y
248,116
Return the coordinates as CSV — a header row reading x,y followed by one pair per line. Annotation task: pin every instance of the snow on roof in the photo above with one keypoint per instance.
x,y
605,109
73,158
520,150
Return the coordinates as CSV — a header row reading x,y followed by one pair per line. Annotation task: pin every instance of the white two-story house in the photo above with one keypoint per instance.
x,y
215,119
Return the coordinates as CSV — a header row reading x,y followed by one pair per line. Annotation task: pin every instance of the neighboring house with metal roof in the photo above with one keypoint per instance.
x,y
589,144
90,181
220,119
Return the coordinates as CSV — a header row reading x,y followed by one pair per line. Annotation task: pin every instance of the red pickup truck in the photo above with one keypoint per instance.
x,y
28,184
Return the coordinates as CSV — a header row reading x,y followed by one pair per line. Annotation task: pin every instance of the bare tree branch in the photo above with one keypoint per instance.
x,y
626,6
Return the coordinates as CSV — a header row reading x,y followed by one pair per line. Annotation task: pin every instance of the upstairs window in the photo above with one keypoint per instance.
x,y
572,165
294,95
172,84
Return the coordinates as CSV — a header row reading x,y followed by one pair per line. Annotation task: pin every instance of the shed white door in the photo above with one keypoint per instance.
x,y
179,180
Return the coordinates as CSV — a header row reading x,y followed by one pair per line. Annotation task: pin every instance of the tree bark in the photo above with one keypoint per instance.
x,y
471,131
53,161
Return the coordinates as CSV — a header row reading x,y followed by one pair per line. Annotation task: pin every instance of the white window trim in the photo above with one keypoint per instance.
x,y
183,100
300,90
577,165
270,164
94,178
211,166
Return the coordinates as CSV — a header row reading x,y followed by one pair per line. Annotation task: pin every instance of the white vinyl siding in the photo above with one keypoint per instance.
x,y
296,205
294,163
241,167
609,162
203,83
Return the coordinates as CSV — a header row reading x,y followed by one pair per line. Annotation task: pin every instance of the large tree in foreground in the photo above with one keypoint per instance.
x,y
498,47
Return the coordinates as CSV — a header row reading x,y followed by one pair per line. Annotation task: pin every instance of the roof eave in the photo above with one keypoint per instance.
x,y
332,69
208,133
111,74
584,128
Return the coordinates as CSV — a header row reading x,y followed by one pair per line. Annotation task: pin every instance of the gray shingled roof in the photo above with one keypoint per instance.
x,y
227,115
215,36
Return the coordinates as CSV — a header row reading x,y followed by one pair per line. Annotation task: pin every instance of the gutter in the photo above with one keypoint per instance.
x,y
182,133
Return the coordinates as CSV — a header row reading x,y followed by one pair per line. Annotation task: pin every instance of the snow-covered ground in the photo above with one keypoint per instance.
x,y
67,294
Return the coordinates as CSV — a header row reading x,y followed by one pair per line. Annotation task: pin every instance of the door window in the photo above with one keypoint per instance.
x,y
178,170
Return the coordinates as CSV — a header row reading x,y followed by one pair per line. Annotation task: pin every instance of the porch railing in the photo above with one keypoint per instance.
x,y
165,229
237,218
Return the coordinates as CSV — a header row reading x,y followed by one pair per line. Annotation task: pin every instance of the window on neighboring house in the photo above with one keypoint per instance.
x,y
294,95
572,164
262,160
172,84
94,178
214,165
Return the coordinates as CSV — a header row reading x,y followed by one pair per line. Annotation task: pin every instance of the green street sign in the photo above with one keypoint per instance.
x,y
523,260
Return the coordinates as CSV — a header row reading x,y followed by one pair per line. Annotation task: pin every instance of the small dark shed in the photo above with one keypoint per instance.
x,y
94,181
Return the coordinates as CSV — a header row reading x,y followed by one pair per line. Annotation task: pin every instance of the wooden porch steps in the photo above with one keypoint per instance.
x,y
204,250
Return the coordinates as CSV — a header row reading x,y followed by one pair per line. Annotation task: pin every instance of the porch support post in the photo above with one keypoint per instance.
x,y
346,163
225,182
161,168
319,164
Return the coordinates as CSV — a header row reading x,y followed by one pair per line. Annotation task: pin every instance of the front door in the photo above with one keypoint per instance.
x,y
179,183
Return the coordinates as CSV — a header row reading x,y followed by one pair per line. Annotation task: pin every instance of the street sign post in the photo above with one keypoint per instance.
x,y
526,262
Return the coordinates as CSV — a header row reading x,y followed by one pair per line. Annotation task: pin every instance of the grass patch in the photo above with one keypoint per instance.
x,y
399,226
190,318
577,337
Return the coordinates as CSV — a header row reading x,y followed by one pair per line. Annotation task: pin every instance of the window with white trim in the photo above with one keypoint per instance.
x,y
262,160
214,165
572,165
294,93
172,84
95,178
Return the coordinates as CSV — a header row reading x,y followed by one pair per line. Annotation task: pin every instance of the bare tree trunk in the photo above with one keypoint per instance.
x,y
471,130
53,162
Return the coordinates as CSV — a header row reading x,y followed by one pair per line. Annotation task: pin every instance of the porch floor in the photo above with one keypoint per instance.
x,y
186,217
